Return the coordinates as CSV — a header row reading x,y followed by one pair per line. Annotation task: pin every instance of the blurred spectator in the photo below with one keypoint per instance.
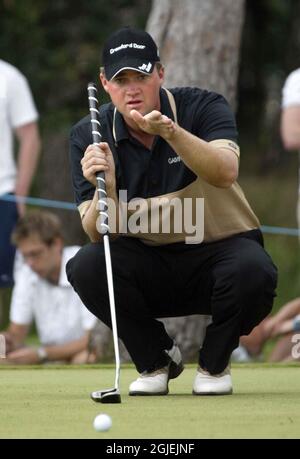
x,y
285,324
43,293
18,116
290,118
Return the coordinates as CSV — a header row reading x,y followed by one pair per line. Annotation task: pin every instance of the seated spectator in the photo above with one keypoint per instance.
x,y
282,325
42,293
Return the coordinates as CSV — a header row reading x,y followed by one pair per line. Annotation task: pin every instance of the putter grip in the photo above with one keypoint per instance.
x,y
101,188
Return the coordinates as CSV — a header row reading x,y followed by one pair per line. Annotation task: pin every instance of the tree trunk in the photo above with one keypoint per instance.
x,y
199,42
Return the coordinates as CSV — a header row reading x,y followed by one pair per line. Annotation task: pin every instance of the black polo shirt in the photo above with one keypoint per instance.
x,y
147,173
159,175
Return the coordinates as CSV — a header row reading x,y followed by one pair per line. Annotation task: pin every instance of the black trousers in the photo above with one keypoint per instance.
x,y
233,279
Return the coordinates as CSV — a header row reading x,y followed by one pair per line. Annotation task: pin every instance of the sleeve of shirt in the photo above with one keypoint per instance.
x,y
291,90
83,190
214,119
21,311
21,105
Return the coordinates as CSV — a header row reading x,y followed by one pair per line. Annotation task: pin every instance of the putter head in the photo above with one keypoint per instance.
x,y
106,396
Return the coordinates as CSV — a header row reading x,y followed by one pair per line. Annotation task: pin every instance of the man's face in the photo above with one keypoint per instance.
x,y
133,90
43,259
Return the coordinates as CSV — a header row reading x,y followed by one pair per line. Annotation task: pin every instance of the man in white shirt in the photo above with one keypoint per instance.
x,y
42,293
290,134
290,117
18,116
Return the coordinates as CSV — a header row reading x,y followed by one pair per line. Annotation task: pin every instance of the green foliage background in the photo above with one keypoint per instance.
x,y
57,45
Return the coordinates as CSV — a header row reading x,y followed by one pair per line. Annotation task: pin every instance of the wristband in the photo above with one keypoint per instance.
x,y
42,354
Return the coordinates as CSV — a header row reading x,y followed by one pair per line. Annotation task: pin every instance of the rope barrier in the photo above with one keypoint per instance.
x,y
280,230
71,206
39,202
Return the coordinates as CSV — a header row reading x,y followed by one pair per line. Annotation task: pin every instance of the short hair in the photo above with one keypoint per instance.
x,y
46,225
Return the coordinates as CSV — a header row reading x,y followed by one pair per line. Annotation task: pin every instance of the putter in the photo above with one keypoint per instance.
x,y
108,395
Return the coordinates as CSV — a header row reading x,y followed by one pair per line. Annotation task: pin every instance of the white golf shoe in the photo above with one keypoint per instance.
x,y
207,384
156,382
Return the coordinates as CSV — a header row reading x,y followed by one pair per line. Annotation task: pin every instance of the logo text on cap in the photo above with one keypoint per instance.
x,y
125,46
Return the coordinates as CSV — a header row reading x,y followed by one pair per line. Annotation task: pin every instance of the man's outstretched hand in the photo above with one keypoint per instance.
x,y
154,123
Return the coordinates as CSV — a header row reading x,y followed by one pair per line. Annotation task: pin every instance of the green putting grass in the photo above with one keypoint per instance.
x,y
53,402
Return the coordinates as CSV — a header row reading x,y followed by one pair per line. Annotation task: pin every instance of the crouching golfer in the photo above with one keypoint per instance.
x,y
168,148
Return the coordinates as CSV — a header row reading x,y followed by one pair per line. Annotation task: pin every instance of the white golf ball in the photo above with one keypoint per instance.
x,y
102,422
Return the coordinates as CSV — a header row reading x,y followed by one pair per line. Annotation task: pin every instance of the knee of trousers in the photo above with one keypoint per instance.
x,y
248,284
87,267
